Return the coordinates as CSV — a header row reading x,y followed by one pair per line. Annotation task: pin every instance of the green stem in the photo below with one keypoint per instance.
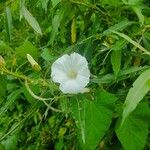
x,y
41,98
16,75
40,81
23,77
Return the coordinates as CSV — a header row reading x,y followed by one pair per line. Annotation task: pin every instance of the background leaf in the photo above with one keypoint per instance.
x,y
9,22
27,48
3,86
31,20
55,2
116,61
133,133
138,11
10,101
11,142
55,25
140,88
119,26
93,117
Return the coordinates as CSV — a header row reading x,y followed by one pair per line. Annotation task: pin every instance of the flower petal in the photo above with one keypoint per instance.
x,y
62,63
82,80
59,69
84,71
71,87
61,77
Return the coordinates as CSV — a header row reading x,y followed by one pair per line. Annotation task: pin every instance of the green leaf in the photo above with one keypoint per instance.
x,y
146,40
116,61
2,147
8,22
92,117
55,25
59,145
3,85
134,2
133,133
47,55
123,74
10,100
44,4
119,45
11,142
55,2
136,6
31,20
131,41
140,88
5,48
119,26
27,48
113,2
138,11
27,115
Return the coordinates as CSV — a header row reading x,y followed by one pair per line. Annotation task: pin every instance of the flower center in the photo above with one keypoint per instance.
x,y
72,74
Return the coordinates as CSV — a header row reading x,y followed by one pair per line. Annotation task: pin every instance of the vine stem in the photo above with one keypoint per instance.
x,y
23,77
26,79
17,125
4,70
40,98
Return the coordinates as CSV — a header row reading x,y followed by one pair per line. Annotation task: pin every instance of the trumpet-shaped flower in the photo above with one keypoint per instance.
x,y
71,72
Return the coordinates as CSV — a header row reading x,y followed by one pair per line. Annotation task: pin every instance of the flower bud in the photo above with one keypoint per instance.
x,y
33,63
2,62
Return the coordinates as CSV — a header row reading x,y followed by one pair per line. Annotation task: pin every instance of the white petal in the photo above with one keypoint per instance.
x,y
74,86
59,69
60,77
62,63
71,87
82,80
84,71
78,61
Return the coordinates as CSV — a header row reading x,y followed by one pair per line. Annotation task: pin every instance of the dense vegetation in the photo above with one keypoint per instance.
x,y
114,36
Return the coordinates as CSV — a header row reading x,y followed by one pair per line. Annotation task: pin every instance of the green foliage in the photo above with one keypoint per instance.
x,y
55,2
26,48
10,100
115,39
3,86
92,116
119,26
11,142
30,19
140,88
8,22
116,61
138,11
133,133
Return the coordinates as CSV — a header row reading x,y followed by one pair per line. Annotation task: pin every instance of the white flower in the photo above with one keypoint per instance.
x,y
71,72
